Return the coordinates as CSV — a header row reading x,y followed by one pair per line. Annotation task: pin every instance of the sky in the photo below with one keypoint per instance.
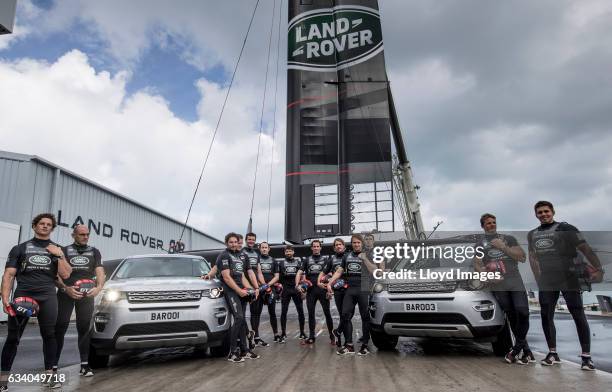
x,y
501,104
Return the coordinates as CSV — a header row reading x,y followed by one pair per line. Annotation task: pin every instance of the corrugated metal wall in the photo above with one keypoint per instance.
x,y
118,226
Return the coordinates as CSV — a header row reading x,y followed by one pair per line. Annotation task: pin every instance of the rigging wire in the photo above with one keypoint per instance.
x,y
261,119
219,119
280,18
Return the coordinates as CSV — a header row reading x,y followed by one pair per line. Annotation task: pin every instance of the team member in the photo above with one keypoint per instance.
x,y
288,268
354,268
333,263
267,273
35,264
552,250
311,268
86,263
231,264
502,253
256,306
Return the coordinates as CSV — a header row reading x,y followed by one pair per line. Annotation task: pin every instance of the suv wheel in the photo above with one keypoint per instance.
x,y
384,342
223,349
96,360
503,344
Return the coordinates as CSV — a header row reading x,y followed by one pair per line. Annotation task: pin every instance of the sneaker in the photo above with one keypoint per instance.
x,y
587,363
3,388
251,355
528,357
346,350
250,338
235,358
364,350
86,371
54,384
282,339
338,338
511,357
551,359
310,341
332,340
302,336
260,342
276,338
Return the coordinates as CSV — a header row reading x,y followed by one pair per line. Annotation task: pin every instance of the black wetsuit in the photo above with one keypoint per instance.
x,y
237,263
554,246
36,274
288,269
269,267
510,293
312,266
333,263
84,260
354,273
256,306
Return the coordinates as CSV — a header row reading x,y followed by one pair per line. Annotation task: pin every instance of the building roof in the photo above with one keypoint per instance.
x,y
24,158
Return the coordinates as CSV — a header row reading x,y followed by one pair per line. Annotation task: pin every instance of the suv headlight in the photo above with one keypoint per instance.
x,y
213,293
112,295
378,287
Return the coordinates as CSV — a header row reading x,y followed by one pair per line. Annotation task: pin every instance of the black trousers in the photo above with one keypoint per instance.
x,y
573,299
338,299
238,329
291,294
354,296
84,316
47,316
312,296
516,306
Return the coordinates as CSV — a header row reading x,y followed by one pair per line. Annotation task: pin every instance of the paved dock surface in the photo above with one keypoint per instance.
x,y
417,365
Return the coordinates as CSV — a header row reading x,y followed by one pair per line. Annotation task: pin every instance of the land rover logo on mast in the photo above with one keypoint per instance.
x,y
334,38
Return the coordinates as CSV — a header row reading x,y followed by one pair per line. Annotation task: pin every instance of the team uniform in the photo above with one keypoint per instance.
x,y
237,263
510,292
288,269
334,262
554,245
256,306
355,275
269,267
312,266
84,260
36,274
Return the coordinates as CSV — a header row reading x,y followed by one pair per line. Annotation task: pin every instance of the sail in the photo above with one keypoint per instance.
x,y
339,170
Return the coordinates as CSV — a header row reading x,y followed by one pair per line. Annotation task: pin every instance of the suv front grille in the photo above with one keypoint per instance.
x,y
164,296
162,328
423,287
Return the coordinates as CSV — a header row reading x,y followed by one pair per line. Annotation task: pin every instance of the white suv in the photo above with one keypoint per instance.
x,y
154,301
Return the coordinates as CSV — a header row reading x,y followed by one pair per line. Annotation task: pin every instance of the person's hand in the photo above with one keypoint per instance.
x,y
256,294
55,250
242,293
93,292
7,308
73,292
299,288
329,295
597,276
498,243
322,285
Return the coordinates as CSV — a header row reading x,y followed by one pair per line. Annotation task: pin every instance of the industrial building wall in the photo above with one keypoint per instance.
x,y
119,227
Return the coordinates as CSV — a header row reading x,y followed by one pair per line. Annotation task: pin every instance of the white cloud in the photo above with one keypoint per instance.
x,y
83,120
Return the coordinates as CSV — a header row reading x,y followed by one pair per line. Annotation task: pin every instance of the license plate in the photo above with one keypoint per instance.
x,y
165,316
421,307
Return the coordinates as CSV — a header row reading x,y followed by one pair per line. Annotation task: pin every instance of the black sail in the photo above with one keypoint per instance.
x,y
339,171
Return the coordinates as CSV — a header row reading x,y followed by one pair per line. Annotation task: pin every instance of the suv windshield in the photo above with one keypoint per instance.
x,y
154,267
